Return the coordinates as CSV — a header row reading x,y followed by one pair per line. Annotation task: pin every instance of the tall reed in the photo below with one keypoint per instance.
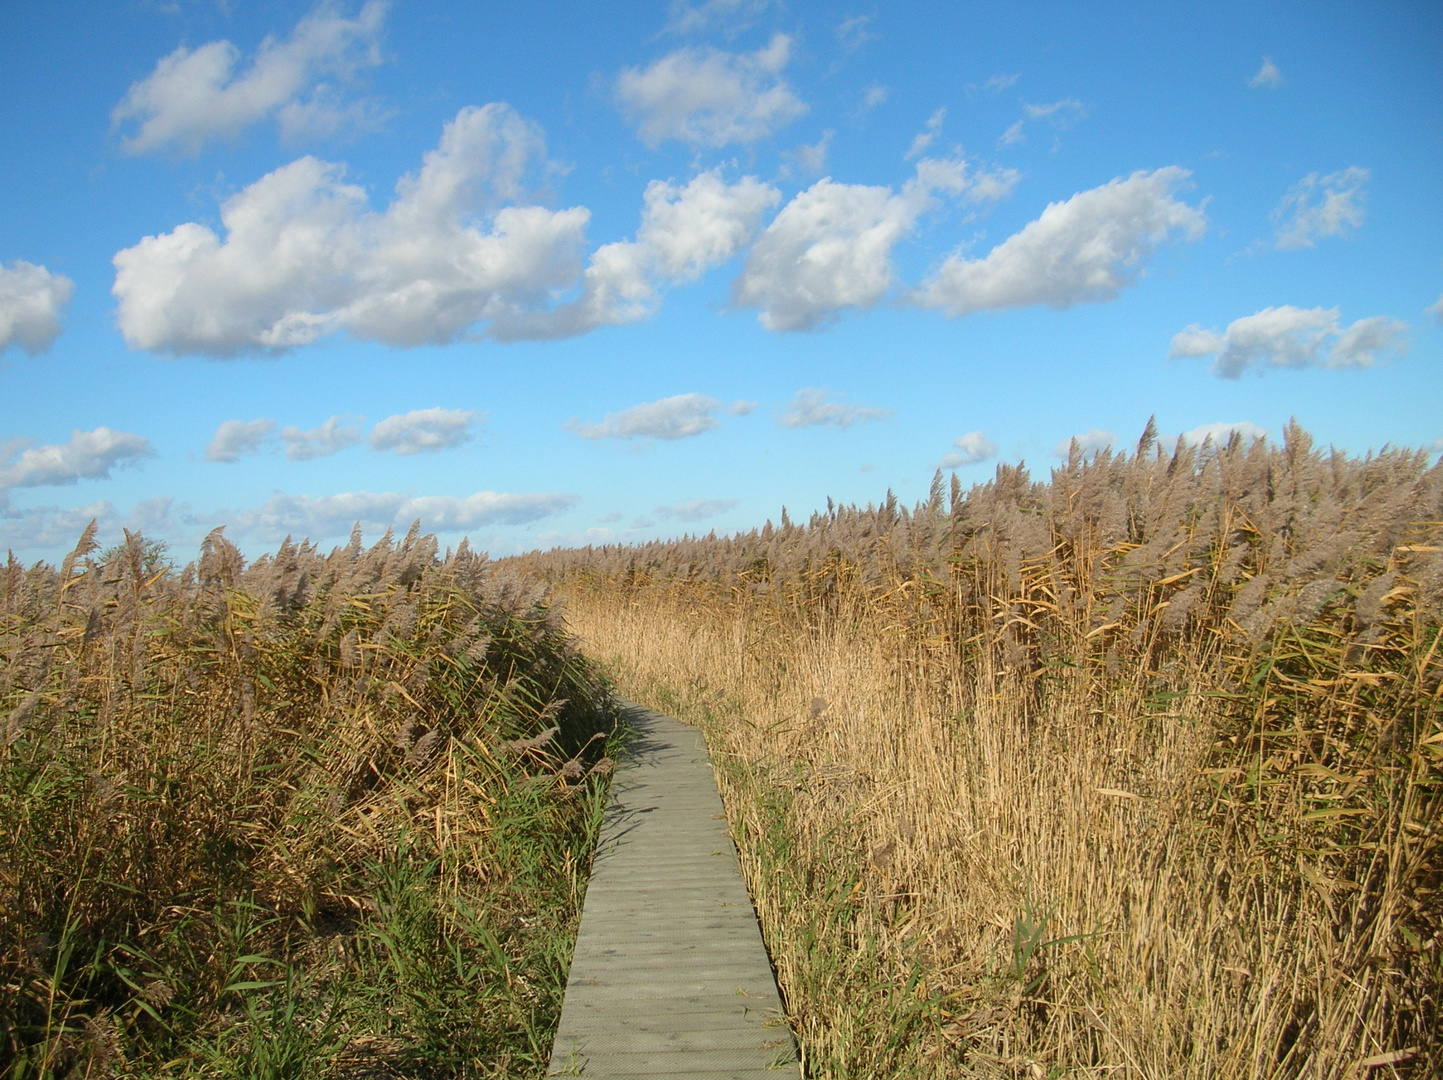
x,y
318,815
1135,772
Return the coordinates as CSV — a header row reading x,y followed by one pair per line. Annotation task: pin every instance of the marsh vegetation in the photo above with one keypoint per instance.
x,y
1131,772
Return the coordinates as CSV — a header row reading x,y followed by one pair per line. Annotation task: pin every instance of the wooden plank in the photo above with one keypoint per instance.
x,y
670,977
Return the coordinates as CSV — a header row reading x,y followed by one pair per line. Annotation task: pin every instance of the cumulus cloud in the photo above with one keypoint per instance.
x,y
971,449
695,509
678,417
304,256
830,247
709,98
810,408
32,299
685,230
330,438
1221,433
728,16
236,438
1090,441
1083,250
89,455
424,431
1290,337
1436,310
1317,207
196,95
1268,76
334,515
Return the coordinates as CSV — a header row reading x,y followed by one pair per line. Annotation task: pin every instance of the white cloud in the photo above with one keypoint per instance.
x,y
971,449
424,431
1090,441
1289,337
687,230
729,16
1083,250
810,408
694,510
852,32
1268,76
236,438
1436,310
304,255
1060,113
810,158
1220,433
925,137
52,527
677,417
333,515
195,95
1301,221
741,408
706,97
874,95
830,248
684,232
89,455
32,299
330,438
997,83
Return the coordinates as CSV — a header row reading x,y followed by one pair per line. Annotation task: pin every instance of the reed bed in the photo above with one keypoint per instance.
x,y
1130,773
320,816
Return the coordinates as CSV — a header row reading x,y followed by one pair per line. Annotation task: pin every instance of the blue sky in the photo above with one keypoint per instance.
x,y
563,273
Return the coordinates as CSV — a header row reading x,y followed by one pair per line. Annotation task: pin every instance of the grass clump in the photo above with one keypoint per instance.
x,y
1136,772
321,816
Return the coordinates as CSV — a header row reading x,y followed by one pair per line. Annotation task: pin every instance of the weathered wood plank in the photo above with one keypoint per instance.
x,y
670,977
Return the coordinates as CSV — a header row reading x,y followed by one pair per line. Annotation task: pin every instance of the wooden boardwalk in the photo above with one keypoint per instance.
x,y
670,977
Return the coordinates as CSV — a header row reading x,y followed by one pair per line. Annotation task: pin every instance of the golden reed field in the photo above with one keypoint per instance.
x,y
1133,772
316,816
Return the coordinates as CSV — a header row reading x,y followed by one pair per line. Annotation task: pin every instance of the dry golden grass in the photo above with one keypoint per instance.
x,y
323,815
1131,774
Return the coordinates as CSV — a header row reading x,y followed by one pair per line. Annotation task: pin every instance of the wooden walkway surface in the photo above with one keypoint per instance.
x,y
670,977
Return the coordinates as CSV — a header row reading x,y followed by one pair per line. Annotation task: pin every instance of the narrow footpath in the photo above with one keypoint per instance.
x,y
670,977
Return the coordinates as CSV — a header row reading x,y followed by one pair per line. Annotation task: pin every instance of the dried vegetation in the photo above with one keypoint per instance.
x,y
324,815
1133,773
